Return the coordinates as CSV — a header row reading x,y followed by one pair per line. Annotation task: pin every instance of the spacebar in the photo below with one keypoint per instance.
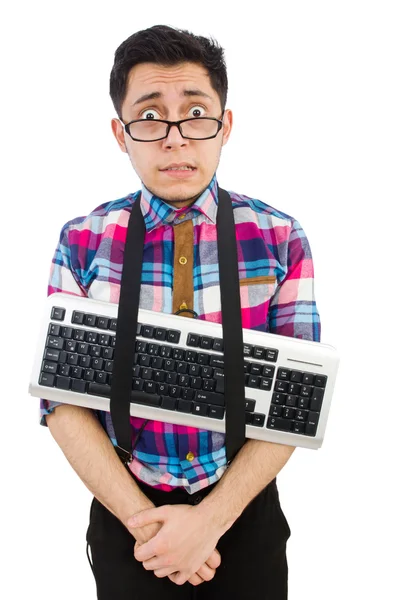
x,y
100,389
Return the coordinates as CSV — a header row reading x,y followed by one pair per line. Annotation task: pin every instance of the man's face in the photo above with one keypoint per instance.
x,y
184,92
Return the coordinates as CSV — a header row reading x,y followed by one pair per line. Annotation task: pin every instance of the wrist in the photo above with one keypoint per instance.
x,y
218,518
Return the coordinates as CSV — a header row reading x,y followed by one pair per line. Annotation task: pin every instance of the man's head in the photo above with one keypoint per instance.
x,y
163,73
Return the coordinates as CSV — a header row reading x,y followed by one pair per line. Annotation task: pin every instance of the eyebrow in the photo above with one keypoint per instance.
x,y
155,95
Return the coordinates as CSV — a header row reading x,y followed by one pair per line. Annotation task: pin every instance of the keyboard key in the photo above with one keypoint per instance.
x,y
320,380
258,419
200,409
79,386
171,378
90,320
103,323
291,400
78,335
178,354
203,359
281,386
73,359
46,379
248,418
85,361
219,383
188,394
137,385
294,388
64,370
278,398
57,313
51,355
209,385
210,398
268,371
288,412
91,337
306,391
216,412
144,360
301,415
166,351
265,384
150,387
206,372
70,346
206,342
104,339
147,399
89,374
49,367
174,391
255,369
160,334
298,427
168,403
173,336
147,331
63,383
308,379
162,389
303,403
169,364
279,424
183,380
184,406
77,317
83,348
190,356
77,372
218,345
276,411
217,361
247,349
99,389
283,374
317,399
296,376
147,373
97,363
259,352
181,367
55,342
271,355
253,381
107,353
158,376
193,340
153,349
101,377
66,332
113,324
54,329
250,405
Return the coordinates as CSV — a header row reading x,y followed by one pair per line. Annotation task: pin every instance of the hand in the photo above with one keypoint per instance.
x,y
183,544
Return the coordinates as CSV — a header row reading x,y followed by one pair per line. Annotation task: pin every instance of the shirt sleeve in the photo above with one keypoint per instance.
x,y
63,278
293,311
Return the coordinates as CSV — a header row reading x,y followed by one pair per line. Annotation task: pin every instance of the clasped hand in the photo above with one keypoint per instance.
x,y
184,549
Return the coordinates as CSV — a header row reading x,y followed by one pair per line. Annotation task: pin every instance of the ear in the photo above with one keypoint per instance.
x,y
118,132
227,125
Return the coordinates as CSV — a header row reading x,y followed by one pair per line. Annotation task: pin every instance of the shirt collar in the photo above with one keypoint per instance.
x,y
157,212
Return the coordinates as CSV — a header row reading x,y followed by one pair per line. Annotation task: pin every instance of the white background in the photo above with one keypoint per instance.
x,y
313,90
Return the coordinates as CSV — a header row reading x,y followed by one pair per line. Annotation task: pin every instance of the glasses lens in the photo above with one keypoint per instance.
x,y
199,128
148,130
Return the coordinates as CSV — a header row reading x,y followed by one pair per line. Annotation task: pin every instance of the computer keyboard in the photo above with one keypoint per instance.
x,y
178,374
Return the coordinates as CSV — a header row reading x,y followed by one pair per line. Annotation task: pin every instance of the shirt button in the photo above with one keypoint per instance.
x,y
183,260
181,216
189,456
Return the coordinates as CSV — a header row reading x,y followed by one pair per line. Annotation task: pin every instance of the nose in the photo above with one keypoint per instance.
x,y
174,138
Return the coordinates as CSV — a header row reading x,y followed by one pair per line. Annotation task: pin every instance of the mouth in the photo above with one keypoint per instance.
x,y
181,170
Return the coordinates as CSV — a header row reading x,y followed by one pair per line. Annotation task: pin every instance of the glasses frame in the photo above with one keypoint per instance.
x,y
177,124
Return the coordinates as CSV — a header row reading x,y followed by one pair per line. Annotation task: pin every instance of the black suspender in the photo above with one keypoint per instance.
x,y
127,322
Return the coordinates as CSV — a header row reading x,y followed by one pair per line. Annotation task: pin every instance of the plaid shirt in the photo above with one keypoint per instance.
x,y
276,285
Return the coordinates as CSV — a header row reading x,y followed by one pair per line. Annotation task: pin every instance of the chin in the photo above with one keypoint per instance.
x,y
178,190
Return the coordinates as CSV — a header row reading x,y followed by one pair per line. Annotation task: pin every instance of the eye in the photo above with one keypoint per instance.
x,y
149,113
197,111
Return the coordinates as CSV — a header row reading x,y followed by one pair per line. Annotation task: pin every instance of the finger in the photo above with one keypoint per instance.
x,y
146,517
156,564
214,560
165,572
205,572
146,551
195,579
178,578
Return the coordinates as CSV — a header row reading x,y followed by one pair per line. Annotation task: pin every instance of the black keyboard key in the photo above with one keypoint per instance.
x,y
91,337
136,371
218,345
278,398
184,406
247,349
220,383
73,359
288,412
209,385
271,355
104,339
63,383
169,364
206,342
113,342
206,372
160,334
140,346
259,352
90,320
308,379
294,388
79,386
67,332
276,411
107,353
147,373
281,386
279,424
217,361
250,405
113,324
153,349
317,399
268,371
174,391
78,335
216,412
49,367
253,381
150,387
64,370
51,355
296,376
188,394
99,389
283,374
97,363
147,331
200,409
54,329
55,342
83,348
196,383
77,373
190,356
193,340
320,380
146,399
166,351
178,354
57,313
258,419
168,403
85,361
265,384
101,377
181,367
173,336
301,415
291,400
89,374
171,378
298,427
158,376
193,370
77,317
137,385
203,359
103,323
303,403
144,360
248,418
70,346
183,380
162,389
306,391
313,417
46,379
210,398
255,369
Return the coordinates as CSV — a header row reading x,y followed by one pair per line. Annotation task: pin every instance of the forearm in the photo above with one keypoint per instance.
x,y
255,465
91,454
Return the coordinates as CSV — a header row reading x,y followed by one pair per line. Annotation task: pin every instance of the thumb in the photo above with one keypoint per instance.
x,y
146,517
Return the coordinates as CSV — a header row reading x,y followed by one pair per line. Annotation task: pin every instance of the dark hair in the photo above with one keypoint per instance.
x,y
166,46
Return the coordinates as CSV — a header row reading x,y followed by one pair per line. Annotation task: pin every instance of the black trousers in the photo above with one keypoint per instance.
x,y
253,554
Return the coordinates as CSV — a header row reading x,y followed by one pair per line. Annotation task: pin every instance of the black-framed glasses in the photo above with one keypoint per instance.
x,y
153,130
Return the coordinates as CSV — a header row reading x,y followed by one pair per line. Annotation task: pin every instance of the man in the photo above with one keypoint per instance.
x,y
179,523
